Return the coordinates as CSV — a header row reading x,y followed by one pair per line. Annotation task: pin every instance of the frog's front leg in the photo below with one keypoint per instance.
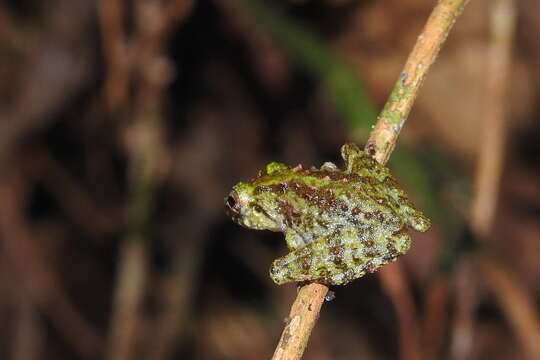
x,y
338,258
294,240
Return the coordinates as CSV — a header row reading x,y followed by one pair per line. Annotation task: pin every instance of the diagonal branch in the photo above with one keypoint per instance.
x,y
306,307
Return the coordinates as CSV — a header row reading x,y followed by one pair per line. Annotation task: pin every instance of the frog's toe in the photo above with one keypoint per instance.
x,y
399,244
279,273
419,222
282,272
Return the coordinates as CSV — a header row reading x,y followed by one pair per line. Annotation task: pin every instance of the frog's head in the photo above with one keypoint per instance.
x,y
255,204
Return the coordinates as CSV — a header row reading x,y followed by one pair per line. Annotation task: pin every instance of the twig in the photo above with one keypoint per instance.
x,y
301,320
380,144
392,118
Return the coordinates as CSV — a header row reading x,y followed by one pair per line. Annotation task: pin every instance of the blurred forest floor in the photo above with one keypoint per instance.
x,y
123,124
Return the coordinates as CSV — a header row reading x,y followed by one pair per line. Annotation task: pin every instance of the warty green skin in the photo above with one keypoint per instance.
x,y
338,224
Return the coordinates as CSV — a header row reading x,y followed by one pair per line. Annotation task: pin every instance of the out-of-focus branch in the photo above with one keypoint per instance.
x,y
177,10
42,167
488,171
32,277
395,285
514,300
435,317
518,306
381,143
146,164
57,57
28,335
491,156
465,299
115,45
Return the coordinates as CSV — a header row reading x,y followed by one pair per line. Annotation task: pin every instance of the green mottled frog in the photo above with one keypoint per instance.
x,y
338,224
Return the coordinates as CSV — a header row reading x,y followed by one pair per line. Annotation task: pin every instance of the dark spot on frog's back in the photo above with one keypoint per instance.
x,y
370,268
274,188
290,214
335,250
392,252
379,215
313,195
322,223
391,181
371,253
328,175
367,180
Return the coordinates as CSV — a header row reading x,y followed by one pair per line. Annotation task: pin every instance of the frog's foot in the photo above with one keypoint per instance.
x,y
291,269
418,221
337,263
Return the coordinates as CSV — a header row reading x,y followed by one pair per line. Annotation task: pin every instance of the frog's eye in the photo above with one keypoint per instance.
x,y
232,202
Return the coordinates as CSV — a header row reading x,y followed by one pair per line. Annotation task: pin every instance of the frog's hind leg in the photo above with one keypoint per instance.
x,y
338,259
320,260
413,217
368,259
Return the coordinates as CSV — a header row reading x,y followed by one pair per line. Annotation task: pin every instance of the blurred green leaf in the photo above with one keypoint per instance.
x,y
338,79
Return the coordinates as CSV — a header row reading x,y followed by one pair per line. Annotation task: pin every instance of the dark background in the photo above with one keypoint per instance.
x,y
124,124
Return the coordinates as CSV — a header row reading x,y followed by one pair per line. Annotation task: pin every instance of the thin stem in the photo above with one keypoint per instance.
x,y
384,136
301,320
305,309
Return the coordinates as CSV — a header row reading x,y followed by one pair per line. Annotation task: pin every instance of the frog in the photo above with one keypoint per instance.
x,y
339,224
